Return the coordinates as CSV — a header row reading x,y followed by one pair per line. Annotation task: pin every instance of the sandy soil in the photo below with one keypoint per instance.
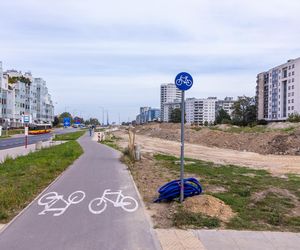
x,y
272,141
276,164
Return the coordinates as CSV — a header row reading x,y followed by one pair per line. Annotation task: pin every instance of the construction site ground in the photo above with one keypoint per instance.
x,y
150,138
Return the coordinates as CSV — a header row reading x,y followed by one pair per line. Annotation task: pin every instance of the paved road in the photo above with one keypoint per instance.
x,y
78,227
20,140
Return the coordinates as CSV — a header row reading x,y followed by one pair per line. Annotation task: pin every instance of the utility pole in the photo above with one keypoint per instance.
x,y
107,122
102,115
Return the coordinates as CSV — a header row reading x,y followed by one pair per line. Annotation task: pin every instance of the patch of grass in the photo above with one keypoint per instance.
x,y
23,178
111,141
184,218
271,212
15,131
254,129
4,136
99,129
196,128
69,136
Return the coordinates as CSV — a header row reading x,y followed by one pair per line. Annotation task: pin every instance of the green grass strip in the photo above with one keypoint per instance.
x,y
69,136
23,178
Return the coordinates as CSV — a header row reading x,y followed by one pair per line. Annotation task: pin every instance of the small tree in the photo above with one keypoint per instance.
x,y
294,117
92,121
222,117
176,115
244,111
55,122
65,115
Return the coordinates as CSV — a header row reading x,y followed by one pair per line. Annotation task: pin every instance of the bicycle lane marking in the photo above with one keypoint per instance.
x,y
99,204
49,200
57,204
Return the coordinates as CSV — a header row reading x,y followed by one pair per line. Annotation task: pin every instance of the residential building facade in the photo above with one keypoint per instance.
x,y
168,107
168,94
278,91
22,94
226,104
200,111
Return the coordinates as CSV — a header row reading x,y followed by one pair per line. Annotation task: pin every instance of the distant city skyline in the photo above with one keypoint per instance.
x,y
93,54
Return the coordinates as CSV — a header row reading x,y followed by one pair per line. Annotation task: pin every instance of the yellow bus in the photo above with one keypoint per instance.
x,y
35,129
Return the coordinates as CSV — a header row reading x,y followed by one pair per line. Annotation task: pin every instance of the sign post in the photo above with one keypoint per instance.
x,y
26,120
183,81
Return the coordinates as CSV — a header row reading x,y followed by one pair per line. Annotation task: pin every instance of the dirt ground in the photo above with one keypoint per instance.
x,y
275,141
149,177
276,164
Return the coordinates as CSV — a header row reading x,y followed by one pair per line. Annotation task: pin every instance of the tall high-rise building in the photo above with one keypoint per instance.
x,y
262,95
278,91
168,94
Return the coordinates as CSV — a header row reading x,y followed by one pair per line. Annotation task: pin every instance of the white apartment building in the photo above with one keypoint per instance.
x,y
226,104
24,95
199,111
168,94
168,107
278,91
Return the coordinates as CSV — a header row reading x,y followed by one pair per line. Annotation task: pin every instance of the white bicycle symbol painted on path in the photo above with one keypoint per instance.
x,y
184,80
51,199
98,205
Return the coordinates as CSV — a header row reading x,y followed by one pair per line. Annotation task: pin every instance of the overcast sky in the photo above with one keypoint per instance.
x,y
115,54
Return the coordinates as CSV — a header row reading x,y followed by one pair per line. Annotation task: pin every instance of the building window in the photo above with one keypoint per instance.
x,y
292,107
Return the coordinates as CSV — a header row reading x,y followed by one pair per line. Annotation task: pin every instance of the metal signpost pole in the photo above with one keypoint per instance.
x,y
183,81
26,135
182,150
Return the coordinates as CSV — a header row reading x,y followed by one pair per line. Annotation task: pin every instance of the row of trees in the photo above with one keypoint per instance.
x,y
60,119
243,114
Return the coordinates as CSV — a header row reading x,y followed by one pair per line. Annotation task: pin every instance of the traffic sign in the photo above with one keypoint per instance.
x,y
26,119
184,81
67,122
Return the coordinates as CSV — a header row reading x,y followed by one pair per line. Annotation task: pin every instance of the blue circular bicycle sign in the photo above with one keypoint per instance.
x,y
184,81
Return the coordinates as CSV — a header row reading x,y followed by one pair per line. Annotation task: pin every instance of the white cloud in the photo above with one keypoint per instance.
x,y
139,44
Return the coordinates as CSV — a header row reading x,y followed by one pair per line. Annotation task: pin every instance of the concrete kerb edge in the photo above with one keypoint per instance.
x,y
38,196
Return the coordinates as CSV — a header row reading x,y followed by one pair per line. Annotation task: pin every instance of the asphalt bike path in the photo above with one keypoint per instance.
x,y
93,205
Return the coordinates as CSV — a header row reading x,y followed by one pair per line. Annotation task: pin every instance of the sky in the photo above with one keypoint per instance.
x,y
113,55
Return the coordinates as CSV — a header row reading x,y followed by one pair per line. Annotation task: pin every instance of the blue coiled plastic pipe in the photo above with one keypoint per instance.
x,y
171,190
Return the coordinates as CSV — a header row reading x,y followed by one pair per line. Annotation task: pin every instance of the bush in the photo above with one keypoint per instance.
x,y
294,117
262,122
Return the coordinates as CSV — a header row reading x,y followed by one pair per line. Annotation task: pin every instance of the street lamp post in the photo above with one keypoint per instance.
x,y
102,115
